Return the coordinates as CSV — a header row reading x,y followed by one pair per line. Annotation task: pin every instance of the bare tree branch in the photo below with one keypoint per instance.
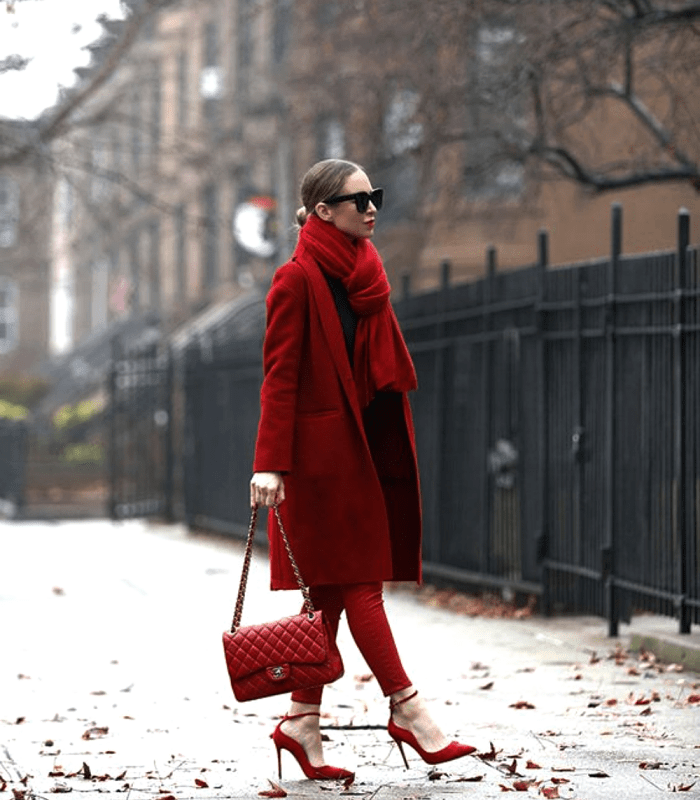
x,y
55,123
567,164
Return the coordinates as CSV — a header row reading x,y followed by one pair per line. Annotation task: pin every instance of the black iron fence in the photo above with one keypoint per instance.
x,y
141,464
557,424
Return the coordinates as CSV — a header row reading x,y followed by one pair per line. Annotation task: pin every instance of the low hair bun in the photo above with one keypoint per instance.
x,y
301,216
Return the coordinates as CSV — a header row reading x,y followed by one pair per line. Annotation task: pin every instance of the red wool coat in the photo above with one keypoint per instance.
x,y
352,511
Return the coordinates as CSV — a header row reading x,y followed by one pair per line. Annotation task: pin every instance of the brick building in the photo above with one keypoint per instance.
x,y
180,175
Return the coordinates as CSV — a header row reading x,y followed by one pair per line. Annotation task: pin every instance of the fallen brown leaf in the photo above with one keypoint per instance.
x,y
599,774
95,732
200,784
650,765
683,787
491,755
472,779
532,765
693,698
521,704
549,791
523,786
487,686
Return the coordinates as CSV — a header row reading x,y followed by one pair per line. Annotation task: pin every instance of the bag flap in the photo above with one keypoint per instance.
x,y
297,639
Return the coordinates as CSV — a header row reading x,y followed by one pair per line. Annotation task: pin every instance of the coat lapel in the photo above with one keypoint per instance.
x,y
322,299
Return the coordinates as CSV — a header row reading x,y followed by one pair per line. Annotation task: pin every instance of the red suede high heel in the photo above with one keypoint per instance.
x,y
284,742
402,736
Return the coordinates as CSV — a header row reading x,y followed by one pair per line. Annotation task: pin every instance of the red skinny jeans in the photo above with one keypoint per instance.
x,y
364,609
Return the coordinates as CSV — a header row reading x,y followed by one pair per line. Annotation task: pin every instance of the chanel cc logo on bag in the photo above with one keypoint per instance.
x,y
278,673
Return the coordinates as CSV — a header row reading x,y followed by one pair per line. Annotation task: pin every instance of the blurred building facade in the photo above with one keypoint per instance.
x,y
177,170
25,259
181,174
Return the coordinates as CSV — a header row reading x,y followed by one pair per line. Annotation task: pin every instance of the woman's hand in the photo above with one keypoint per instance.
x,y
266,489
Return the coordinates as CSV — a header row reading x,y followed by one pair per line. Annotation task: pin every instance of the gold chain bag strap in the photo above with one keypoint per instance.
x,y
277,657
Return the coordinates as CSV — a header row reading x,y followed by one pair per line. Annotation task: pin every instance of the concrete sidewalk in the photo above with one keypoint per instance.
x,y
113,682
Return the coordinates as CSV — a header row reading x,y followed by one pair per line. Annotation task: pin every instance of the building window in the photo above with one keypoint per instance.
x,y
182,89
155,111
331,139
136,139
245,44
211,243
495,114
402,132
9,211
65,202
211,79
149,26
181,251
9,315
283,30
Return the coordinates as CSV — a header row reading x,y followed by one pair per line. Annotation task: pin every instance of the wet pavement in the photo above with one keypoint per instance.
x,y
112,682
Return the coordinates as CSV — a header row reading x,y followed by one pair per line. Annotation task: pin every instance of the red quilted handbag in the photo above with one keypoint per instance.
x,y
277,657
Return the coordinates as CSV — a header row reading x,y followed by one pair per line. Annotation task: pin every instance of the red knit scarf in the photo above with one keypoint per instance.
x,y
381,359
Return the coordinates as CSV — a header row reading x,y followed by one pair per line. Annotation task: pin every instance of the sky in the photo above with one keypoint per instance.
x,y
52,33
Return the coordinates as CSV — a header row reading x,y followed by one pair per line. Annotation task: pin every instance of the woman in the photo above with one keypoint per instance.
x,y
336,449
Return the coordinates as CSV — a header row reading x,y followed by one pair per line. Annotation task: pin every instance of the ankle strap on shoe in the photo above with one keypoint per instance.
x,y
395,703
286,717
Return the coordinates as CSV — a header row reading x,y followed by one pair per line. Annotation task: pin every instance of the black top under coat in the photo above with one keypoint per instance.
x,y
348,318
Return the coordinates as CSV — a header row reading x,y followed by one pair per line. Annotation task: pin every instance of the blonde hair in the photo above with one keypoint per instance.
x,y
324,180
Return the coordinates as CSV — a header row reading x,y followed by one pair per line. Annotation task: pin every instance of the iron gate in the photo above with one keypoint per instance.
x,y
141,460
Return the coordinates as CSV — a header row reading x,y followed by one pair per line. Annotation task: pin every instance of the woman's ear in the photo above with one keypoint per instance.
x,y
324,212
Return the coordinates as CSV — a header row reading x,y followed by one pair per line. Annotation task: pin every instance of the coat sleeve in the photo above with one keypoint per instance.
x,y
287,310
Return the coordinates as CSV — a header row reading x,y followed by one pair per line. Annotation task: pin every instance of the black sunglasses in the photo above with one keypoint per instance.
x,y
362,199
